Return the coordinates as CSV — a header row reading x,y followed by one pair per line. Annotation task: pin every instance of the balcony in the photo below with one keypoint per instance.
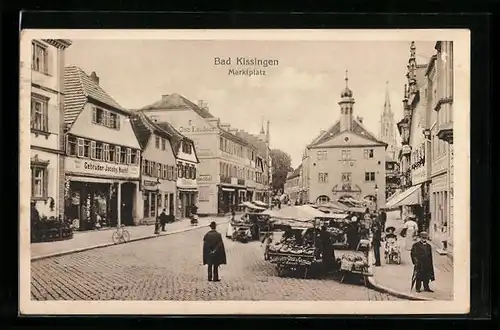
x,y
445,132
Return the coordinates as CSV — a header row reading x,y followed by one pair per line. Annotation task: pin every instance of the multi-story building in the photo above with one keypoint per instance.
x,y
102,155
47,125
229,164
440,102
414,155
346,160
292,184
158,168
426,157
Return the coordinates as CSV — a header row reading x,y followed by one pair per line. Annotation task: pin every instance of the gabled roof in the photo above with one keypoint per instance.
x,y
254,141
167,127
144,127
357,128
79,89
176,101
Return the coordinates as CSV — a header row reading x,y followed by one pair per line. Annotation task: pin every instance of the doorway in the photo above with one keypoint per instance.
x,y
127,200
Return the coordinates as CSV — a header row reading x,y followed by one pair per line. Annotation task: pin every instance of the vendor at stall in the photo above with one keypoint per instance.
x,y
352,233
327,251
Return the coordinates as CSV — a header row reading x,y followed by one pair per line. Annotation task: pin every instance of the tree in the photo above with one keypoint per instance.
x,y
281,165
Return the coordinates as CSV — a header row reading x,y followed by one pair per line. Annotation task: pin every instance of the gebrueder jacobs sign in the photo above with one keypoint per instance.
x,y
104,169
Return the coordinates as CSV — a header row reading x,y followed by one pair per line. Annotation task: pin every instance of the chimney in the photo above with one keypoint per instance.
x,y
94,77
164,97
360,119
202,105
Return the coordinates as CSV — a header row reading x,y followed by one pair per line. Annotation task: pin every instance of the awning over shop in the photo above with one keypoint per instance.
x,y
410,196
227,189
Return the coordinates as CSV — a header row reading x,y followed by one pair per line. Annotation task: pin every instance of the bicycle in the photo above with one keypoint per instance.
x,y
121,235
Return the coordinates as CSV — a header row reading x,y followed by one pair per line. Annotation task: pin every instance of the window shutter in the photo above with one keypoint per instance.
x,y
117,123
46,117
117,154
79,147
137,157
94,115
92,150
47,61
66,139
129,156
45,182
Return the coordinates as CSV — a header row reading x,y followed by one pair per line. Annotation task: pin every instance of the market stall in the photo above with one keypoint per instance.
x,y
356,262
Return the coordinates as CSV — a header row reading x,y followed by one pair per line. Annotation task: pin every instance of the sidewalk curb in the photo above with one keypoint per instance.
x,y
98,246
389,291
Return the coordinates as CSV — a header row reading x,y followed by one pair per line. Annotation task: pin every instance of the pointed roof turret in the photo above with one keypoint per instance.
x,y
346,92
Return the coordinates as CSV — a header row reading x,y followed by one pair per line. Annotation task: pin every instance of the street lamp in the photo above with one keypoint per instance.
x,y
376,197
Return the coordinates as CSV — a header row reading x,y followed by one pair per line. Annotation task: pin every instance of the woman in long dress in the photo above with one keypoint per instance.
x,y
411,231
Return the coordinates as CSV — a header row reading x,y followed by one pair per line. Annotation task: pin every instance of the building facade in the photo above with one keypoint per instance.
x,y
440,102
158,169
228,169
187,187
47,125
102,155
346,160
292,185
426,157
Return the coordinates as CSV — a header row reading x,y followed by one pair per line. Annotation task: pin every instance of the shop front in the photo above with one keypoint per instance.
x,y
157,195
99,194
187,191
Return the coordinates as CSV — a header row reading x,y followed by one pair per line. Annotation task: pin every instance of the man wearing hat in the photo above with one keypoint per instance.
x,y
214,253
421,256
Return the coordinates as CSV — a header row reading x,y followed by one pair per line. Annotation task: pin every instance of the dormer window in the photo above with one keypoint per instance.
x,y
105,118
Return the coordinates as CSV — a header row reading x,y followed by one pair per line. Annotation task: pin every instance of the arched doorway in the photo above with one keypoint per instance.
x,y
323,199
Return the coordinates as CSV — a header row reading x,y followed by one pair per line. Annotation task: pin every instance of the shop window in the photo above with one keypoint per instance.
x,y
369,176
39,114
165,202
368,153
129,156
322,177
146,204
153,204
39,181
163,144
157,142
71,145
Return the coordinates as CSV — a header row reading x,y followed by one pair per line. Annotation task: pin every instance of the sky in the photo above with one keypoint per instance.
x,y
299,96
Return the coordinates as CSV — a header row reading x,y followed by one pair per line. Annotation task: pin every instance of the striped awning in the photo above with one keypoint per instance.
x,y
411,196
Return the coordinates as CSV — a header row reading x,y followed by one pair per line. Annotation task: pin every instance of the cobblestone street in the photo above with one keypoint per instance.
x,y
170,268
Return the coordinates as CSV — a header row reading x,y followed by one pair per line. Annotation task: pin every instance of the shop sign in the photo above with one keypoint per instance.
x,y
101,168
149,183
197,129
183,182
204,178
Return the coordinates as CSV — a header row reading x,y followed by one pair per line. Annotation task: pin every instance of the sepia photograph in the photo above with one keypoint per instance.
x,y
222,172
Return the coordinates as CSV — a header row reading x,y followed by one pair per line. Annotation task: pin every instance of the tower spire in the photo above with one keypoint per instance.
x,y
262,127
346,79
387,103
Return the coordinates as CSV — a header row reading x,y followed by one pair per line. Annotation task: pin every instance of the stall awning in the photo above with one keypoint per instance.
x,y
410,196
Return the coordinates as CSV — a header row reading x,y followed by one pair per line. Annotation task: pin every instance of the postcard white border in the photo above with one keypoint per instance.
x,y
461,113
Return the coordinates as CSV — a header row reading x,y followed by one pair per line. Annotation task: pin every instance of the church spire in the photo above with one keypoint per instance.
x,y
262,127
387,103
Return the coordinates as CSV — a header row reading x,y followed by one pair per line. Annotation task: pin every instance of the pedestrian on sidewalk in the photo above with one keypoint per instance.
x,y
376,241
163,219
421,257
383,219
409,232
214,253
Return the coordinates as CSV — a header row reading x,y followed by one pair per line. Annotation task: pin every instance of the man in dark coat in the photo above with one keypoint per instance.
x,y
376,241
163,219
421,256
214,253
383,219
